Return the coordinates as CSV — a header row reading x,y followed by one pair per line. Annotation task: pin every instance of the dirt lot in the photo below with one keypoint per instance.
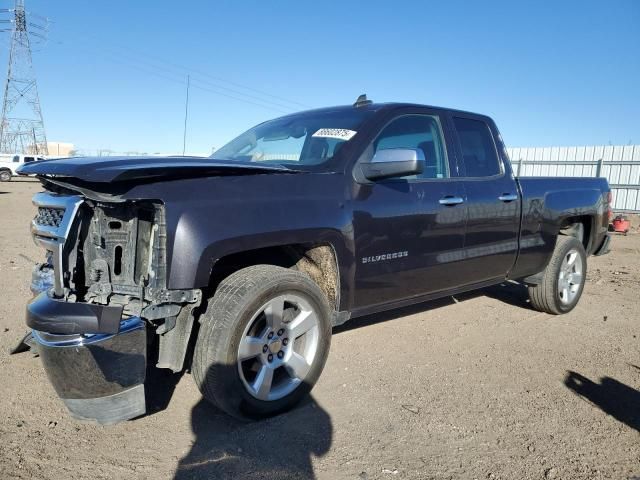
x,y
477,387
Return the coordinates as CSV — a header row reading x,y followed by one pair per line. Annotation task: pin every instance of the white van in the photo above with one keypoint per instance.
x,y
9,163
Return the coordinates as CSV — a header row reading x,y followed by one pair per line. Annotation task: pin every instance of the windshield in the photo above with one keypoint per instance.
x,y
300,140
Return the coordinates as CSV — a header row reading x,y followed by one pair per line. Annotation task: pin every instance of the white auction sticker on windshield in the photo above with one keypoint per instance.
x,y
339,133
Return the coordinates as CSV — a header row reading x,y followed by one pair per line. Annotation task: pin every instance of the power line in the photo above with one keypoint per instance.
x,y
204,78
205,74
167,74
214,85
172,78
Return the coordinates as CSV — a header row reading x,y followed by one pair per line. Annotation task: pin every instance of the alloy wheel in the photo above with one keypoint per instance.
x,y
278,347
570,277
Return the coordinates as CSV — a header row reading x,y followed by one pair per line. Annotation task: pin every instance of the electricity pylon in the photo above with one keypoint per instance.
x,y
22,127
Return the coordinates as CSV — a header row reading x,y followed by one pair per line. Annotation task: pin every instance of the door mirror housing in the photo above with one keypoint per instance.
x,y
394,163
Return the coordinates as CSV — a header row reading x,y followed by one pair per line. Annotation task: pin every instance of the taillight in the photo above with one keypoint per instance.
x,y
609,203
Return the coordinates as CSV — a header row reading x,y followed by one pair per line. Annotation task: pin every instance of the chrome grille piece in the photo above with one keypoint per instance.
x,y
51,227
49,217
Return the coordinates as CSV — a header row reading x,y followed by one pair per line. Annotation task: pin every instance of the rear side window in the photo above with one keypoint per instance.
x,y
478,149
28,159
421,132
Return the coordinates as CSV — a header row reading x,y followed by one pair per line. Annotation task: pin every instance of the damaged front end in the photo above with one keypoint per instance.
x,y
99,293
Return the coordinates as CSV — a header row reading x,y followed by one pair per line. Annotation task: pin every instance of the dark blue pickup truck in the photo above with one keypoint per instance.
x,y
236,267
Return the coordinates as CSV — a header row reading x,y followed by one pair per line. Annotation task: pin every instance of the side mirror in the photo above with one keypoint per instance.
x,y
394,162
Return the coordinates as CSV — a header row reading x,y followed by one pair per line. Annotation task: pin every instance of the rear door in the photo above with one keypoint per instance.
x,y
409,232
493,200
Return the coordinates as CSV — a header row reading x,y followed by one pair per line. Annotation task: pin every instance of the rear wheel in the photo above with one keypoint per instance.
x,y
263,341
563,279
5,175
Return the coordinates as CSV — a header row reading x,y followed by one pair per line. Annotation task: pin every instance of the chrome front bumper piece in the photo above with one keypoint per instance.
x,y
98,377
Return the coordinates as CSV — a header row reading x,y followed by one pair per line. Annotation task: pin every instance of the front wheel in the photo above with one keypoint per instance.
x,y
5,176
563,279
263,341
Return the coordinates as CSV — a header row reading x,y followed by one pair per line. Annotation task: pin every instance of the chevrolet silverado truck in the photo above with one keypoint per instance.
x,y
237,266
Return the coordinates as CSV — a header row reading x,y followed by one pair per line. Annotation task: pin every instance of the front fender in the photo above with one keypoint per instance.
x,y
198,245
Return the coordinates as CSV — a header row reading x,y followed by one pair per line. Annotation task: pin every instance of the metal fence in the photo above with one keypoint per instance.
x,y
619,164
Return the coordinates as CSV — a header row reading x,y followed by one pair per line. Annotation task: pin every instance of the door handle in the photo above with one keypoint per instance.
x,y
508,197
451,201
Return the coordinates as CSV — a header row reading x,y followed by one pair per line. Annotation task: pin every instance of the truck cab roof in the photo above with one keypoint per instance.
x,y
383,107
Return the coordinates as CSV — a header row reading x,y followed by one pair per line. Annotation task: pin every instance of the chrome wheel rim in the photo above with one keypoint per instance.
x,y
278,347
570,277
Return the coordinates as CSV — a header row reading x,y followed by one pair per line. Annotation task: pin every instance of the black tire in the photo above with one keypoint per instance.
x,y
545,296
5,175
232,308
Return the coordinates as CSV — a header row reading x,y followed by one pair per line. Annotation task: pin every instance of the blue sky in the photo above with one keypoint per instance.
x,y
113,73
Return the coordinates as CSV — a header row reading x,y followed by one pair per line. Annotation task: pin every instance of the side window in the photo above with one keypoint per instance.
x,y
420,132
28,159
16,158
478,149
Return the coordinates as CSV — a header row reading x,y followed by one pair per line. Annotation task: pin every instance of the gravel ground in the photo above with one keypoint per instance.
x,y
479,386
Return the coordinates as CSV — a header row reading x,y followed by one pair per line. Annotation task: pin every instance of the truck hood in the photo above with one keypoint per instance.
x,y
116,169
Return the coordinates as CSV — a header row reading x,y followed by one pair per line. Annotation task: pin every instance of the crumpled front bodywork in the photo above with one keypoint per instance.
x,y
101,288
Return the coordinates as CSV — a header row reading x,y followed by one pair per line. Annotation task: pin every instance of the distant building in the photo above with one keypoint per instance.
x,y
60,149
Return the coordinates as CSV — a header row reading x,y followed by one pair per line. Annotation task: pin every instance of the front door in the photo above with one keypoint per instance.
x,y
409,232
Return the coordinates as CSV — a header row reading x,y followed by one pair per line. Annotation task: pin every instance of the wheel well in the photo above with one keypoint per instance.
x,y
316,260
578,227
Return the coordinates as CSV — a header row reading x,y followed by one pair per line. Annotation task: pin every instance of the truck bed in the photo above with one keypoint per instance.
x,y
547,204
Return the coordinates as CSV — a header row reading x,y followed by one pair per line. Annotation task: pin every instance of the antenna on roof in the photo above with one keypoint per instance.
x,y
362,101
